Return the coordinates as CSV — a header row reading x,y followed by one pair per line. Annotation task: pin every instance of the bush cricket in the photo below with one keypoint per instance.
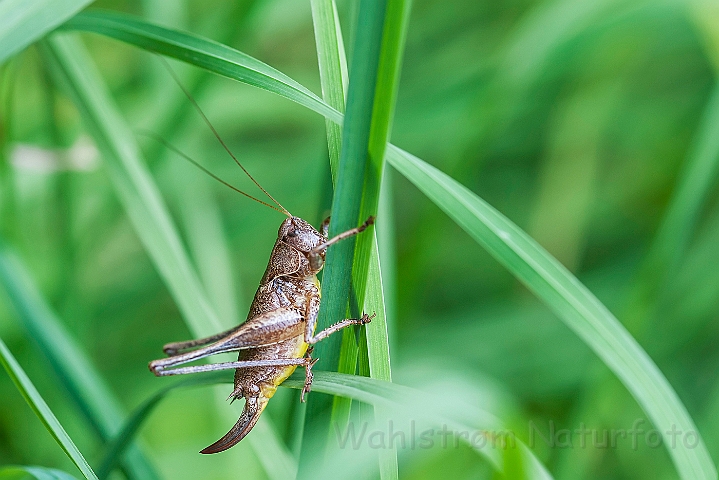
x,y
279,331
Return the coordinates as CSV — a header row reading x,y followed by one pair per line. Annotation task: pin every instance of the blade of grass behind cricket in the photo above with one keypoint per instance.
x,y
201,218
148,213
43,412
75,371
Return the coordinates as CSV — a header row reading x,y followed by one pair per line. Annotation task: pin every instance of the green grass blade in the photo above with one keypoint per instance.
x,y
333,76
141,199
22,22
333,70
43,412
334,79
570,300
368,281
67,358
377,340
378,354
347,198
387,81
133,183
199,51
38,473
386,251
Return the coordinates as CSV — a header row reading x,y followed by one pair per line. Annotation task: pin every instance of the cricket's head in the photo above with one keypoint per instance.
x,y
305,238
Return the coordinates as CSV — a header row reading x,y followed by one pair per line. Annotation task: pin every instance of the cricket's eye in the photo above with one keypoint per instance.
x,y
292,233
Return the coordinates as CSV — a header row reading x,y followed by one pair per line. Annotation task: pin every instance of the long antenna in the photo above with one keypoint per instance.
x,y
217,135
170,146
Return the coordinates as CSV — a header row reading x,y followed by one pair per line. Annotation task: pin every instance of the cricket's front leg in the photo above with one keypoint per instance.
x,y
311,323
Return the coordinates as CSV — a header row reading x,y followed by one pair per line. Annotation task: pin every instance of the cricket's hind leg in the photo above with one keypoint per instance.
x,y
175,348
212,367
266,329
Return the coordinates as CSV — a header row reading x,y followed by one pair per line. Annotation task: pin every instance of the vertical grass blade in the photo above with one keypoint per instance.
x,y
333,70
387,82
334,79
74,369
346,201
386,251
366,271
43,412
22,22
370,293
377,347
571,301
333,76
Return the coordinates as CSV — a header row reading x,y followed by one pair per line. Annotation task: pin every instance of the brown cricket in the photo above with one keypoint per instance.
x,y
279,331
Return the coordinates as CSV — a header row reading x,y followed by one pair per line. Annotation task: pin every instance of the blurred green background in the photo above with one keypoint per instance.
x,y
575,119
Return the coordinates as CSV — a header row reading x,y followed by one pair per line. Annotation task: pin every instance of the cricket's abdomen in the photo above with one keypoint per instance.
x,y
263,381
